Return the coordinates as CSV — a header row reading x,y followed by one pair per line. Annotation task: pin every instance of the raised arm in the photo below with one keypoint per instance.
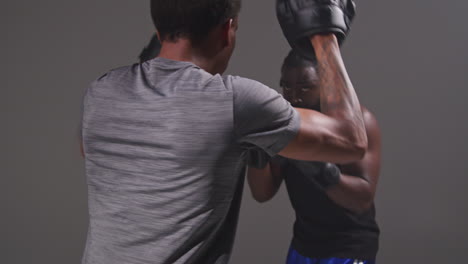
x,y
337,134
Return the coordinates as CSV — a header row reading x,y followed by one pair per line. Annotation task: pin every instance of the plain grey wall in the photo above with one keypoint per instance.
x,y
407,59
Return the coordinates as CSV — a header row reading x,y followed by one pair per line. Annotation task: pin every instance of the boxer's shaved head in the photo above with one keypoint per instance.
x,y
300,81
191,19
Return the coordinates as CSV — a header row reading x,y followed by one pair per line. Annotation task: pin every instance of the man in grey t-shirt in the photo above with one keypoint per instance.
x,y
166,141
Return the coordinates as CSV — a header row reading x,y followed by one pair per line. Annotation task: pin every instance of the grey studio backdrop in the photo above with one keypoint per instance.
x,y
407,59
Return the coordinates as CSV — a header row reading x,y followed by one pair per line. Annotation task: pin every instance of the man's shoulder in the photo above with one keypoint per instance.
x,y
246,88
117,73
240,82
114,79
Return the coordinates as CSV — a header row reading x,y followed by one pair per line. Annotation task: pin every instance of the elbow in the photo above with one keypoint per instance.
x,y
359,149
363,205
355,142
352,152
358,146
262,200
262,197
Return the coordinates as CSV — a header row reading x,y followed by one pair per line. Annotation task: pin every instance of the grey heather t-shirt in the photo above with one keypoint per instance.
x,y
166,145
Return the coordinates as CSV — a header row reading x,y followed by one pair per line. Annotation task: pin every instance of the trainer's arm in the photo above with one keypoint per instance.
x,y
358,181
338,134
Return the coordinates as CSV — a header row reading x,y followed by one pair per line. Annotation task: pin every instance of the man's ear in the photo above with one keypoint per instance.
x,y
226,32
159,37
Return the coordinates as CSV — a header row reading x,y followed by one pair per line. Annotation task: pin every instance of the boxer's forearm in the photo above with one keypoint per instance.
x,y
338,98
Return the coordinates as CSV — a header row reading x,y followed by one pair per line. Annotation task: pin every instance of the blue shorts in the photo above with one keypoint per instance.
x,y
295,258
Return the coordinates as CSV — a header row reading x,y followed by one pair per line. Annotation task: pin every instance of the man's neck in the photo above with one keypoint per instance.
x,y
183,50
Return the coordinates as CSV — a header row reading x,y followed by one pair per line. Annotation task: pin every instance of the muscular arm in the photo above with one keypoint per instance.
x,y
358,182
338,134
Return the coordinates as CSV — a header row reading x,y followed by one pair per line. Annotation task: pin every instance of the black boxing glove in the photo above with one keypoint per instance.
x,y
151,51
300,19
324,174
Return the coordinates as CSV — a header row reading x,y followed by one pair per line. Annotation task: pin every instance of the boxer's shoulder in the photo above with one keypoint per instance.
x,y
370,121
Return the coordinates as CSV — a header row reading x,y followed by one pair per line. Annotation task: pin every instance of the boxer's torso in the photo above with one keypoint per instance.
x,y
325,229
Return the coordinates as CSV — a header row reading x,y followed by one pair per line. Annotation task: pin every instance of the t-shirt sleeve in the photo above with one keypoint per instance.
x,y
264,121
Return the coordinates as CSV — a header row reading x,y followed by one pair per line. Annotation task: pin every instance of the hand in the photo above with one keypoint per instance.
x,y
301,19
